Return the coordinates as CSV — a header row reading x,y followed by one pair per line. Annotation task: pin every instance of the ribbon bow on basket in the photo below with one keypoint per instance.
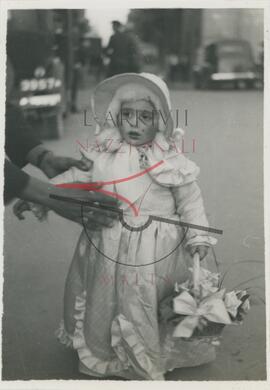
x,y
199,308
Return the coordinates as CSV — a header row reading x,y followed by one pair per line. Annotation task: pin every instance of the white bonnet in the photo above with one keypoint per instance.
x,y
129,92
109,95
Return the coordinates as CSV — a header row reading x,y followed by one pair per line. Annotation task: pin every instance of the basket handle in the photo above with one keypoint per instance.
x,y
196,274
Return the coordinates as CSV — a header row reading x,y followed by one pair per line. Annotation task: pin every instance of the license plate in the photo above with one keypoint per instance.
x,y
40,84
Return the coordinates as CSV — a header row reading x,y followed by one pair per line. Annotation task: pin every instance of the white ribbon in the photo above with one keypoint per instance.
x,y
211,308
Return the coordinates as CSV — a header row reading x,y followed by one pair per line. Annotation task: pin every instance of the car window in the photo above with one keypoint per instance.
x,y
232,49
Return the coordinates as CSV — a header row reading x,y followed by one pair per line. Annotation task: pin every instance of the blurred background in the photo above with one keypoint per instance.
x,y
57,53
212,60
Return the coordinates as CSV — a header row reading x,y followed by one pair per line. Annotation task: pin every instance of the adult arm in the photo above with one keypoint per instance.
x,y
39,192
19,184
52,165
15,181
23,146
20,137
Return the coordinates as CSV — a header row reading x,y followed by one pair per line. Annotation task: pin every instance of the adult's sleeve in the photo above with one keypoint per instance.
x,y
15,181
20,136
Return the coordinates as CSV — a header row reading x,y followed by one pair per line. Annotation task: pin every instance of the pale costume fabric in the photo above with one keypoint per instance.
x,y
111,303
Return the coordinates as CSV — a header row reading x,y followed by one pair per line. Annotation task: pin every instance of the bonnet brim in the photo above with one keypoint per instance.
x,y
105,91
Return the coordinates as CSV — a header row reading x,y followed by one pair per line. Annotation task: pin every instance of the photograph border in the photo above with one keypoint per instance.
x,y
67,4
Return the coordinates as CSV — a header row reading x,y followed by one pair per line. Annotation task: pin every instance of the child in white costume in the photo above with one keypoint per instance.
x,y
118,276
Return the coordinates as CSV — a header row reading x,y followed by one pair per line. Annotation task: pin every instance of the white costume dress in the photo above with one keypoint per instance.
x,y
119,276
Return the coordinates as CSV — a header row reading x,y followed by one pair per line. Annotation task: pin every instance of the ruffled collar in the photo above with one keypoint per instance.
x,y
174,168
115,160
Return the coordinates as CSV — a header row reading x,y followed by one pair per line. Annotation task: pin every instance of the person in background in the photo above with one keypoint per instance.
x,y
122,51
134,54
173,65
77,69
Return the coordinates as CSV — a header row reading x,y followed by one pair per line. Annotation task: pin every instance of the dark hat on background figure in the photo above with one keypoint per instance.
x,y
116,23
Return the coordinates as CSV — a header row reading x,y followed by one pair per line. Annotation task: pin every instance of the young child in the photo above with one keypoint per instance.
x,y
120,274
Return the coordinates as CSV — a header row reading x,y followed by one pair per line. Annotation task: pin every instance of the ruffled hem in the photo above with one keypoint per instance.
x,y
134,365
132,360
94,365
124,335
63,336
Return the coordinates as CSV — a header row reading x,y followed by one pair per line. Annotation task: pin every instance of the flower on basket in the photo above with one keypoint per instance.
x,y
237,304
209,282
232,303
205,312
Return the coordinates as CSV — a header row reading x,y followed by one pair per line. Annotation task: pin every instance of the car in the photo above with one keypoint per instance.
x,y
222,62
39,87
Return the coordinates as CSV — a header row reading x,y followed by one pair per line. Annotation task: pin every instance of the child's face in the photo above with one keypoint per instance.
x,y
138,122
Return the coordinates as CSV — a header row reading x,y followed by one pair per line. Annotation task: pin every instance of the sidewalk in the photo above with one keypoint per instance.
x,y
38,255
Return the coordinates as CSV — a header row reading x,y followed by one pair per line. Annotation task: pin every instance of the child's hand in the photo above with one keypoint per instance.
x,y
21,206
201,249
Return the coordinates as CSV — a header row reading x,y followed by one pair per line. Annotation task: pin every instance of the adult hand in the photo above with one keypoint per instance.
x,y
53,165
39,192
93,218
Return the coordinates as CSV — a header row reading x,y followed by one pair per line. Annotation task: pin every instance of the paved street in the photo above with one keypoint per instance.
x,y
228,134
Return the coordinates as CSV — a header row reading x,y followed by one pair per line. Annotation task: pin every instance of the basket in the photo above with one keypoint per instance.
x,y
197,313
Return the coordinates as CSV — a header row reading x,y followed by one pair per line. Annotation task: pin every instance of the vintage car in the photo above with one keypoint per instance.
x,y
223,62
39,81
